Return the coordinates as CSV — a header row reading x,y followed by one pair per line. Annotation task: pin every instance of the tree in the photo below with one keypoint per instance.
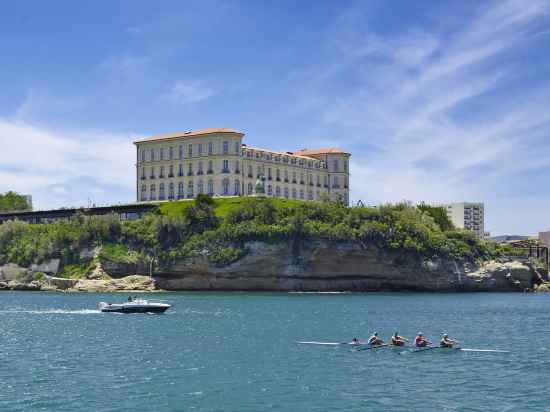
x,y
201,216
13,201
439,215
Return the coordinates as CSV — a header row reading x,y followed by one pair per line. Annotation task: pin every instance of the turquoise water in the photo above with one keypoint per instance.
x,y
237,352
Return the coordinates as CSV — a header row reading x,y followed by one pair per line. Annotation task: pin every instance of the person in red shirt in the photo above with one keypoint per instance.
x,y
420,341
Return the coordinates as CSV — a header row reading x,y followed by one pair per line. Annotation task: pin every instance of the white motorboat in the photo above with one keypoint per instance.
x,y
134,306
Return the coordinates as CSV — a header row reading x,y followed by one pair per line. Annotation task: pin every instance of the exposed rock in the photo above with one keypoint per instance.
x,y
16,285
51,266
128,283
12,271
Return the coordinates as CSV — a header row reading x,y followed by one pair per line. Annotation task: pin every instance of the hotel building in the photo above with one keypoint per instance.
x,y
469,216
218,163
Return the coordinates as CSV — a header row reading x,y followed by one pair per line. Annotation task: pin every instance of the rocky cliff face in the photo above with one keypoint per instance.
x,y
327,266
311,266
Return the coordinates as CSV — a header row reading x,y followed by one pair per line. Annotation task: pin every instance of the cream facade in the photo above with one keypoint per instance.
x,y
218,163
469,216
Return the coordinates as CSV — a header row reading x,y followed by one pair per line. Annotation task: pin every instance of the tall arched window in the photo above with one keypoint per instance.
x,y
171,171
225,147
286,192
152,176
190,150
143,173
237,187
161,174
190,193
211,188
180,171
278,175
210,167
335,165
171,191
269,190
180,151
152,155
210,148
301,193
225,186
162,153
143,192
171,156
152,192
294,193
310,194
181,194
200,187
277,191
143,155
237,148
250,188
161,191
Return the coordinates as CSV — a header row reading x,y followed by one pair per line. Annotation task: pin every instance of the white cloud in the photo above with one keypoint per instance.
x,y
435,106
189,91
68,167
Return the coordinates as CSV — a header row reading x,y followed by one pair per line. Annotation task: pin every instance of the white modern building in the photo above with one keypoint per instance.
x,y
218,163
469,216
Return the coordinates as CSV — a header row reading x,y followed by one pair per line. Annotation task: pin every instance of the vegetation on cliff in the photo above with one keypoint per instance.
x,y
11,201
219,229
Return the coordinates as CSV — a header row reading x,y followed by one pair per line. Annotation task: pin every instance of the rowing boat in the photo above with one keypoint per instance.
x,y
458,349
333,343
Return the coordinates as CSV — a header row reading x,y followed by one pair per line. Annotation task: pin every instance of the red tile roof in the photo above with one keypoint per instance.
x,y
193,133
326,150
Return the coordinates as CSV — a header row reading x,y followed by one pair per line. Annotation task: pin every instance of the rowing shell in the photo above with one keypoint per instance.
x,y
460,349
333,343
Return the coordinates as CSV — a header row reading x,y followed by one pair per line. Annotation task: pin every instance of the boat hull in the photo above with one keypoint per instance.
x,y
133,308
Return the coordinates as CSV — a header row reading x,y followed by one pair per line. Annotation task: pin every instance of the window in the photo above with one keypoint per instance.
x,y
250,171
237,170
200,187
143,155
286,176
277,175
310,194
301,193
143,192
277,191
269,190
152,192
171,171
190,189
200,172
345,165
181,195
302,179
326,181
171,191
225,166
152,173
200,149
286,192
152,155
335,182
161,191
210,148
250,188
269,173
190,170
210,171
211,188
180,171
318,181
294,193
293,177
225,186
171,153
180,151
161,175
258,171
335,163
190,150
162,153
237,187
237,148
225,147
143,173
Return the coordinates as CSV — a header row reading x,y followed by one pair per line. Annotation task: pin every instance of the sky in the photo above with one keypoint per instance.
x,y
436,101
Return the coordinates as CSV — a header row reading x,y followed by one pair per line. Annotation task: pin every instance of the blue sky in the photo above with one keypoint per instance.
x,y
436,101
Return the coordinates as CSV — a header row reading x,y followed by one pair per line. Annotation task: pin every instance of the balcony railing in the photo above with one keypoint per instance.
x,y
294,181
200,172
171,175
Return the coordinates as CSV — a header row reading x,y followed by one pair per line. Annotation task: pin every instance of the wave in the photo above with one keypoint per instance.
x,y
55,311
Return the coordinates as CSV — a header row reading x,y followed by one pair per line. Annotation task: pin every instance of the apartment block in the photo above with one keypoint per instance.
x,y
468,215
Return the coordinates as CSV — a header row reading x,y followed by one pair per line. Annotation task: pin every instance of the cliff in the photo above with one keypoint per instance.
x,y
282,266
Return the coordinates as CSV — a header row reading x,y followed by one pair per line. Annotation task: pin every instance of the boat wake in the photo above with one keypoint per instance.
x,y
55,311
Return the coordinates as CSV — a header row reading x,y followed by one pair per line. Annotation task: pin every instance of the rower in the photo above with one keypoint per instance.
x,y
397,340
446,342
420,341
355,341
375,340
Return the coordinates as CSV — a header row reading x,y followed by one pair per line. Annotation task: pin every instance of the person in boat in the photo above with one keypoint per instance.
x,y
355,341
446,342
420,341
130,299
397,340
374,340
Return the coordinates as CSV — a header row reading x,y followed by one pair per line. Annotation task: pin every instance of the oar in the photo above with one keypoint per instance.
x,y
372,347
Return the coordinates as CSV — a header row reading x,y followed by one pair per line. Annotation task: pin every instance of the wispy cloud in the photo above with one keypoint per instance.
x,y
65,168
442,106
189,91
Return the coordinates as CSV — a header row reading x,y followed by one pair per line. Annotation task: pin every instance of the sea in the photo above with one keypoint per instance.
x,y
239,352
